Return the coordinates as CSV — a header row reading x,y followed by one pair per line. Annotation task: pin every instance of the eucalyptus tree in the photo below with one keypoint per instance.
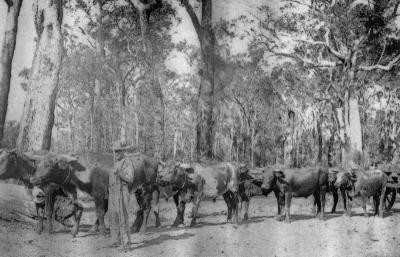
x,y
38,113
344,42
6,57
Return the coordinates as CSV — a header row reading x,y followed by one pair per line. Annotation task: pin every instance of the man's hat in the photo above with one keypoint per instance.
x,y
118,147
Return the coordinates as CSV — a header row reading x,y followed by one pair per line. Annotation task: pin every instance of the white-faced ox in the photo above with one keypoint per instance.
x,y
364,183
298,183
199,181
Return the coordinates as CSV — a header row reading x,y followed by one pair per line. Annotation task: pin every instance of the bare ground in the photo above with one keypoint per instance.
x,y
262,235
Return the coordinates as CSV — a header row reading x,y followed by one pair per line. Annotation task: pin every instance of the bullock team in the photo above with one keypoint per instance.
x,y
186,182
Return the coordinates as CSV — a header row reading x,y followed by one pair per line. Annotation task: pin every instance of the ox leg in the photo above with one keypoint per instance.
x,y
139,213
228,202
280,200
180,209
235,207
376,204
382,201
322,200
364,205
288,199
335,199
40,213
246,201
155,206
196,205
146,211
95,226
78,210
317,202
343,193
50,198
349,203
100,211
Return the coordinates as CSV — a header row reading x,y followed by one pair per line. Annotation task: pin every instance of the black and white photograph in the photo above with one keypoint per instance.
x,y
199,128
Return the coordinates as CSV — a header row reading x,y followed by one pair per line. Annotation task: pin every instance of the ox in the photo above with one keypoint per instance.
x,y
19,166
298,183
59,170
197,181
364,183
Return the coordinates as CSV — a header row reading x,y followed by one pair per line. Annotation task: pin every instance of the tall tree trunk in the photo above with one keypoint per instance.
x,y
98,84
319,139
6,57
38,114
144,11
205,105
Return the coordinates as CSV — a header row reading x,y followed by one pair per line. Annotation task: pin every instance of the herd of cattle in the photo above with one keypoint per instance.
x,y
185,183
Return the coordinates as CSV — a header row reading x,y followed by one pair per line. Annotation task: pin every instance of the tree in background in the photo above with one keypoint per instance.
x,y
205,105
6,57
343,42
38,114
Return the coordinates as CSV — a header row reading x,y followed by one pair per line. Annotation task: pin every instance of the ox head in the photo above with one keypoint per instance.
x,y
8,164
54,168
271,178
176,175
345,179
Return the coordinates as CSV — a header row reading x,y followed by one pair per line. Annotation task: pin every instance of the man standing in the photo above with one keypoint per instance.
x,y
119,196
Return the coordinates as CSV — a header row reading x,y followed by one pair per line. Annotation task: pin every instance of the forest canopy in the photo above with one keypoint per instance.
x,y
295,84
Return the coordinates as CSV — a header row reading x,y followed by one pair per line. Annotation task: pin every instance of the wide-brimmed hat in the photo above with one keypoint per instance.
x,y
118,147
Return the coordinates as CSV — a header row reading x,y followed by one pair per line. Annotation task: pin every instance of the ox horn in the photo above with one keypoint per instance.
x,y
34,157
74,162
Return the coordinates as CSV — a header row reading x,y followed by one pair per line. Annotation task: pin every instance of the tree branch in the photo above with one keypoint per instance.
x,y
193,17
387,67
304,60
326,43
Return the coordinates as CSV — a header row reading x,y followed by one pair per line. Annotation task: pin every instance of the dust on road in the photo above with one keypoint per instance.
x,y
262,235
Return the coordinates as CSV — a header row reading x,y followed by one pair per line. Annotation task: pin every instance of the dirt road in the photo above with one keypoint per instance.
x,y
262,235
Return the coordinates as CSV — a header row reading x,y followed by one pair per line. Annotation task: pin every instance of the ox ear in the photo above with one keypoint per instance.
x,y
76,165
333,171
352,176
189,170
65,161
62,164
13,157
279,174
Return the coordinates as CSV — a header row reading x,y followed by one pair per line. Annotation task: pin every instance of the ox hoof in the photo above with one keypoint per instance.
x,y
193,223
246,217
114,244
177,223
93,230
134,229
39,228
278,218
74,233
287,221
102,231
158,224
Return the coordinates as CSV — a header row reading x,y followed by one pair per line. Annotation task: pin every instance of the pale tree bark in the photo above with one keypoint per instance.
x,y
38,114
144,10
96,112
6,57
205,106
